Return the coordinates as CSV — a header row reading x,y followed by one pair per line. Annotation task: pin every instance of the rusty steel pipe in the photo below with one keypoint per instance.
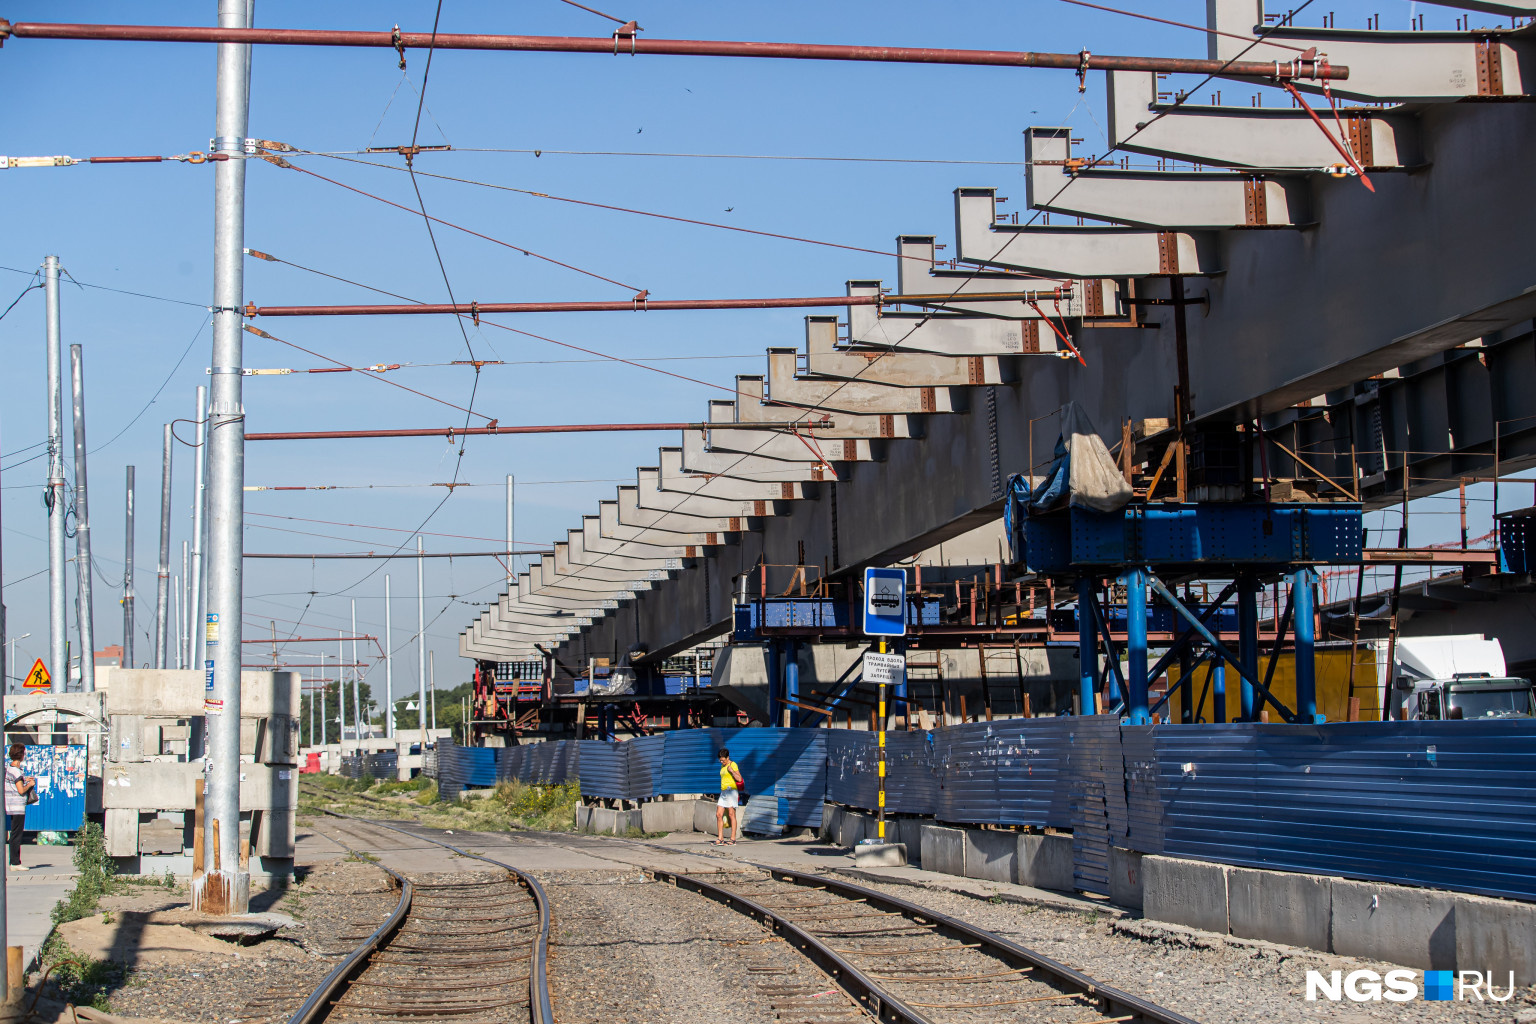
x,y
634,45
554,428
644,305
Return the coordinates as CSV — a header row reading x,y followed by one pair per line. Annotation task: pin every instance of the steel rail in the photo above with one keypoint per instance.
x,y
314,1009
540,1010
643,305
1117,1002
864,989
557,428
1305,66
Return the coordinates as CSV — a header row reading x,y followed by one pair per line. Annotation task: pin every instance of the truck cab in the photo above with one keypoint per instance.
x,y
1466,698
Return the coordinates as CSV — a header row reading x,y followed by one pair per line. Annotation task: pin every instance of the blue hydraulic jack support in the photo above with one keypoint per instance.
x,y
1247,642
792,682
775,681
1304,627
1136,647
1219,691
1087,646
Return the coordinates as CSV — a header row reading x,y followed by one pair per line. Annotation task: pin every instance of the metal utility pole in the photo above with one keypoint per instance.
x,y
432,686
511,522
421,648
58,657
225,888
357,675
82,528
128,577
389,670
178,623
199,503
163,572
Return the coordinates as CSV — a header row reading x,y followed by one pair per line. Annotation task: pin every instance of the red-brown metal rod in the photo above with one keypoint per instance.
x,y
629,44
643,305
549,428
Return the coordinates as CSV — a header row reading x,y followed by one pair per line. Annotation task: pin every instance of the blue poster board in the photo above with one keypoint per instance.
x,y
60,774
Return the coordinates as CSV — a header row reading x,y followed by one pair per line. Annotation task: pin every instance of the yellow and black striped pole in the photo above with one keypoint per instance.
x,y
882,750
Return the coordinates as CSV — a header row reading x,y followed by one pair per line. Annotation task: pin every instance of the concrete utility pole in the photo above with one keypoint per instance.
x,y
357,675
82,528
58,658
389,670
421,648
163,571
341,692
512,519
128,577
199,503
225,888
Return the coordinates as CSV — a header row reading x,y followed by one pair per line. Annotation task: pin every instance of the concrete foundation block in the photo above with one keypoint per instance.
x,y
880,855
943,849
909,833
991,855
1496,936
1394,923
831,815
610,822
1279,906
667,816
1045,862
583,817
1192,893
854,827
1125,883
704,817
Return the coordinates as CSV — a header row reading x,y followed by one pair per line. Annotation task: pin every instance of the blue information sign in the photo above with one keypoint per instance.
x,y
885,602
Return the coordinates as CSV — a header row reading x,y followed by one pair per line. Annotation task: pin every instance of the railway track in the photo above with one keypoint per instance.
x,y
891,960
906,964
456,950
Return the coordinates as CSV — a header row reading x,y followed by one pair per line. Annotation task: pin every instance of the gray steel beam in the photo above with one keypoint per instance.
x,y
898,367
753,406
610,527
632,514
649,495
699,458
674,480
858,397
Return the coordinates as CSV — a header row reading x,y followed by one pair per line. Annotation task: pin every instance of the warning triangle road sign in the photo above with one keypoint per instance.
x,y
38,678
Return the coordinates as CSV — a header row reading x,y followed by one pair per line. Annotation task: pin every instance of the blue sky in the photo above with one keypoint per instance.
x,y
148,229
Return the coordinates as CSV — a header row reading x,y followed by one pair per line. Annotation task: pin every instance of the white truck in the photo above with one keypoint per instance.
x,y
1458,678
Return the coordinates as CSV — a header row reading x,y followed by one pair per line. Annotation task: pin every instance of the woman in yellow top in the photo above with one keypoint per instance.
x,y
729,804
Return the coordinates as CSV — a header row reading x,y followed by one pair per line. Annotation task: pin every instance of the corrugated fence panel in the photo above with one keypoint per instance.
x,y
967,774
605,769
1143,800
1443,804
688,764
1033,758
1096,757
911,773
757,753
509,762
565,766
645,758
1090,837
802,777
852,768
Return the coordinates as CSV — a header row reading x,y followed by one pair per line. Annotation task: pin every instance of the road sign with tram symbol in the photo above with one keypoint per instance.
x,y
885,602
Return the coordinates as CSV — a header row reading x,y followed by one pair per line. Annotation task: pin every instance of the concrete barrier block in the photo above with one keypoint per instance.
x,y
991,855
667,816
607,821
1045,862
1192,893
830,813
1125,882
1280,906
583,817
880,855
943,849
1496,936
1413,927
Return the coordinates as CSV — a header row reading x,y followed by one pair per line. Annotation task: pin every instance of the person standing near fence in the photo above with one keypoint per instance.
x,y
728,807
18,793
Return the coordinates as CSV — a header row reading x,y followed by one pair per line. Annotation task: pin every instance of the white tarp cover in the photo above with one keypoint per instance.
x,y
1445,657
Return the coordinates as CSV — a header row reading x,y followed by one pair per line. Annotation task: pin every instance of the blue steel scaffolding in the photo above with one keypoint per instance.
x,y
1146,544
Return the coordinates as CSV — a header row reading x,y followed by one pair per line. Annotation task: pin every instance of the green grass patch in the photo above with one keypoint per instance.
x,y
80,979
96,877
